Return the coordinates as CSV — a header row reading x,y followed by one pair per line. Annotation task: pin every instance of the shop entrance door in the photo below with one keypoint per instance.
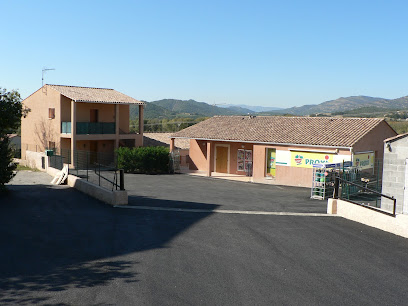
x,y
221,159
271,162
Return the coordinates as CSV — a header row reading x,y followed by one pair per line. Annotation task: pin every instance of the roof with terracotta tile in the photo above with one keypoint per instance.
x,y
163,139
319,131
98,95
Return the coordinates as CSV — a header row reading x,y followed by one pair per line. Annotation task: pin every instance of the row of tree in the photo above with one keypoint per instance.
x,y
158,125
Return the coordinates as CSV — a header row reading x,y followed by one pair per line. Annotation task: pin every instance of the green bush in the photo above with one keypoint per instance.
x,y
150,160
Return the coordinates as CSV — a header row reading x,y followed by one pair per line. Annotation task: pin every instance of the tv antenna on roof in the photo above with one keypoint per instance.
x,y
43,71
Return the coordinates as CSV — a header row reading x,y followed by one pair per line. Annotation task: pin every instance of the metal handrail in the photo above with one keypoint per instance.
x,y
336,195
115,182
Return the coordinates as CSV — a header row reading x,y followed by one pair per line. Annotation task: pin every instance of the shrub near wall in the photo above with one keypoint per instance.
x,y
150,160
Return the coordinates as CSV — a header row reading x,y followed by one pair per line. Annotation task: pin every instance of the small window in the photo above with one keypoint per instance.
x,y
51,145
51,113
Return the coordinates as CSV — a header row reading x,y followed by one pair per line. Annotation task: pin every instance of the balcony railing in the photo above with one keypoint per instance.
x,y
83,128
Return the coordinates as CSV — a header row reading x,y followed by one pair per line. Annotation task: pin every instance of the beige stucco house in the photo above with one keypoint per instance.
x,y
282,150
71,119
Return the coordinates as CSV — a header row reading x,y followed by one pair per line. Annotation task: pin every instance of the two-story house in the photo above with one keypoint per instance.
x,y
71,119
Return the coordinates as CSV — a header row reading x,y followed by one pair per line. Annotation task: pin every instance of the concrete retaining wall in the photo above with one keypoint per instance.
x,y
397,225
115,197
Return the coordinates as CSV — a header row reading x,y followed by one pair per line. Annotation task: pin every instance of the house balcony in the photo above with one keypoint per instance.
x,y
87,131
89,128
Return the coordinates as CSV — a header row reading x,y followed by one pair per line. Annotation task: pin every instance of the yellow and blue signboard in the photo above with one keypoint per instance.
x,y
364,160
308,159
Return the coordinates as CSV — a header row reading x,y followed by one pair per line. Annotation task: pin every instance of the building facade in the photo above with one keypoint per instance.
x,y
69,119
282,150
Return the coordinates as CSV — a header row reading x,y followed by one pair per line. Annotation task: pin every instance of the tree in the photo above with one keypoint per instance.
x,y
11,111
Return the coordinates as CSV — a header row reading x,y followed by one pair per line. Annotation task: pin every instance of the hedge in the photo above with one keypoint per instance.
x,y
150,160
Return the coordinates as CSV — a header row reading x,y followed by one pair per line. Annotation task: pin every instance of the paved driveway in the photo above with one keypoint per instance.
x,y
61,247
208,193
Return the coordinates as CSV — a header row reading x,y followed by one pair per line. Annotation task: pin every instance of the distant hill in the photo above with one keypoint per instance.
x,y
354,105
151,111
366,111
338,105
193,107
170,108
345,104
257,109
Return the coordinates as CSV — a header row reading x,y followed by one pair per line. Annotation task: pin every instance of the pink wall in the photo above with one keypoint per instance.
x,y
374,140
198,155
292,176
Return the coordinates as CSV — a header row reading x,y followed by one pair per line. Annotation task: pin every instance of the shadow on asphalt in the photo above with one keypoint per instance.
x,y
153,202
56,238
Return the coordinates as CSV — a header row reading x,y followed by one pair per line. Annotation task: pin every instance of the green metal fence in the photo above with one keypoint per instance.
x,y
83,128
95,128
99,168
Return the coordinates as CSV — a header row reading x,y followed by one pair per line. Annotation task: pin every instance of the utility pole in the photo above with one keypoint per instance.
x,y
43,71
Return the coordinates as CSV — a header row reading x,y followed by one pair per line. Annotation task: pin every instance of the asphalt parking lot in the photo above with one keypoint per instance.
x,y
186,191
61,247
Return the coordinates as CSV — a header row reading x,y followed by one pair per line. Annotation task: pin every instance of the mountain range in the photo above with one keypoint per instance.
x,y
348,103
253,108
171,108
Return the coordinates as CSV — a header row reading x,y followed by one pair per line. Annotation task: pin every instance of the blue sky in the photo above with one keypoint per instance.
x,y
270,53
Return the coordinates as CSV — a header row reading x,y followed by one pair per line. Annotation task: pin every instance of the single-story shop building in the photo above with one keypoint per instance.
x,y
395,172
282,150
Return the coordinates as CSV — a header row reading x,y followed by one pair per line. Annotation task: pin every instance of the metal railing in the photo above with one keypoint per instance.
x,y
83,128
96,167
56,161
361,196
103,176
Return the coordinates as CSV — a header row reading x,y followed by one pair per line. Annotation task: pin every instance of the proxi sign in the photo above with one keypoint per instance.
x,y
364,160
308,159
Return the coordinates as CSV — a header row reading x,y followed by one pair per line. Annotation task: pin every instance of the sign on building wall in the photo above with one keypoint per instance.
x,y
244,159
364,160
308,159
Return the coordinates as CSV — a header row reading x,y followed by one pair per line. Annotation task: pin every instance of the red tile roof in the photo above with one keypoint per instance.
x,y
322,131
98,95
396,137
163,139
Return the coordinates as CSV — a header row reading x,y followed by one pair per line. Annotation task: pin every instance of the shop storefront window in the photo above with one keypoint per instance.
x,y
271,162
244,160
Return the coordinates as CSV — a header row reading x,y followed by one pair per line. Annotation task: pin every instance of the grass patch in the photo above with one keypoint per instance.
x,y
25,168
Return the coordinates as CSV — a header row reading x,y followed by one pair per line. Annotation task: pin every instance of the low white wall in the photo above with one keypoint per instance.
x,y
397,225
34,160
52,171
115,197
